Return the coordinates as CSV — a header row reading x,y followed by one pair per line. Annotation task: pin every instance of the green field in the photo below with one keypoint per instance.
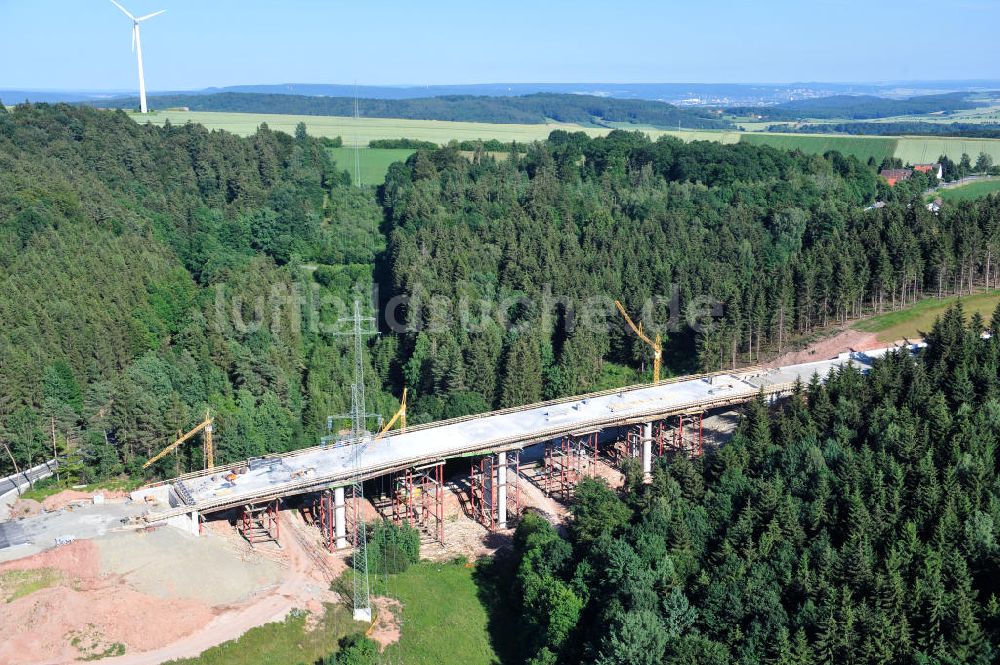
x,y
926,149
359,131
433,630
973,190
687,135
374,162
861,147
911,149
984,114
444,621
913,321
282,643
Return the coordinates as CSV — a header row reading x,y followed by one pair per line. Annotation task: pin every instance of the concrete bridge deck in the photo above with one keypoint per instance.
x,y
322,467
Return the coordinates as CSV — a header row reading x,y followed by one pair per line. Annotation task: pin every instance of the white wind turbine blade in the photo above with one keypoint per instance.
x,y
124,11
143,18
134,28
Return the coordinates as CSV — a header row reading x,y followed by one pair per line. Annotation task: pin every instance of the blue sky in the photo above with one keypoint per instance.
x,y
84,44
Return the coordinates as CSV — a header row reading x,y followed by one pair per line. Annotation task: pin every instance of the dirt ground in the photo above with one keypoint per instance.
x,y
68,497
25,508
385,630
719,427
86,614
159,594
830,347
203,572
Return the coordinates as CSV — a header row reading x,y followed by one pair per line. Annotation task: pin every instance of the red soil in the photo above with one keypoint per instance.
x,y
67,497
831,347
99,611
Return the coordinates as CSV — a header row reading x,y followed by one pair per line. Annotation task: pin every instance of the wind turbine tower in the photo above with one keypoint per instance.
x,y
137,47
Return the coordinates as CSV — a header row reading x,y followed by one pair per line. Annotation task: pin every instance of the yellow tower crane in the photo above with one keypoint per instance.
x,y
655,344
205,425
400,415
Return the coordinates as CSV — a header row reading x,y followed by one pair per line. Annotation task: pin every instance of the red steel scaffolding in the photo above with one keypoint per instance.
x,y
258,523
631,448
484,489
568,461
677,434
418,499
688,435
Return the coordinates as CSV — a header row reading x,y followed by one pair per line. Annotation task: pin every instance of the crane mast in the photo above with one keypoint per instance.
x,y
655,344
206,425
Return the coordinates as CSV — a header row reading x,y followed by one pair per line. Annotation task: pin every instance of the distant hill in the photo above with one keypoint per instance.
x,y
963,129
526,109
680,94
860,107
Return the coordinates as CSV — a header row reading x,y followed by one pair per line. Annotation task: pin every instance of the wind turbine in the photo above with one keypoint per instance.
x,y
137,47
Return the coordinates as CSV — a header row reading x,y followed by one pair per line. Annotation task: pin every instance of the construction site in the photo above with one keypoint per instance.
x,y
173,568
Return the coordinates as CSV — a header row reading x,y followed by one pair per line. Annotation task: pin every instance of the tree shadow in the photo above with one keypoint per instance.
x,y
493,585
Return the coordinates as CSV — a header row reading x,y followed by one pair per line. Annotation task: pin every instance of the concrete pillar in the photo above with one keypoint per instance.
x,y
647,452
340,518
187,522
502,490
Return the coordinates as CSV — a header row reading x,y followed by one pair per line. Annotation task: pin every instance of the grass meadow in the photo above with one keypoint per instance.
x,y
926,149
359,131
973,190
287,642
444,621
913,321
374,163
433,632
862,147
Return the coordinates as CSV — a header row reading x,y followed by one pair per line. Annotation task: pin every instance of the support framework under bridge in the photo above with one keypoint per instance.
x,y
324,467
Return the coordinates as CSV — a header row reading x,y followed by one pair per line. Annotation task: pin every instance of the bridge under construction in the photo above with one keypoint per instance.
x,y
653,416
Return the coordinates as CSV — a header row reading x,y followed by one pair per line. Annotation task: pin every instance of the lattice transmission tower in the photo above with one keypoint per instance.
x,y
360,439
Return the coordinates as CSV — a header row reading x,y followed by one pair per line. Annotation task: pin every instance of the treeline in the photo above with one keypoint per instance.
x,y
488,145
957,129
854,524
965,167
526,109
754,244
148,274
861,107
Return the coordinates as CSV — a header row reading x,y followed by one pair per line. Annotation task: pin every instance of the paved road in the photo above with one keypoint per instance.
x,y
10,484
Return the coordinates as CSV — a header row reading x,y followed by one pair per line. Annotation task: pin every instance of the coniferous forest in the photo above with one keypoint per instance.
x,y
855,524
150,273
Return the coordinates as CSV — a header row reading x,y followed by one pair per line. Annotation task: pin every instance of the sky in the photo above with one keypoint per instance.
x,y
84,44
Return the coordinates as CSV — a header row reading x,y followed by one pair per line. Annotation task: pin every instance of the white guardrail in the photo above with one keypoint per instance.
x,y
17,482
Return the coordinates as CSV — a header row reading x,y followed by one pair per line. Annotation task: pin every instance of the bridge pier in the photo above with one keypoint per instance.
x,y
338,533
502,490
340,518
493,494
188,523
647,452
